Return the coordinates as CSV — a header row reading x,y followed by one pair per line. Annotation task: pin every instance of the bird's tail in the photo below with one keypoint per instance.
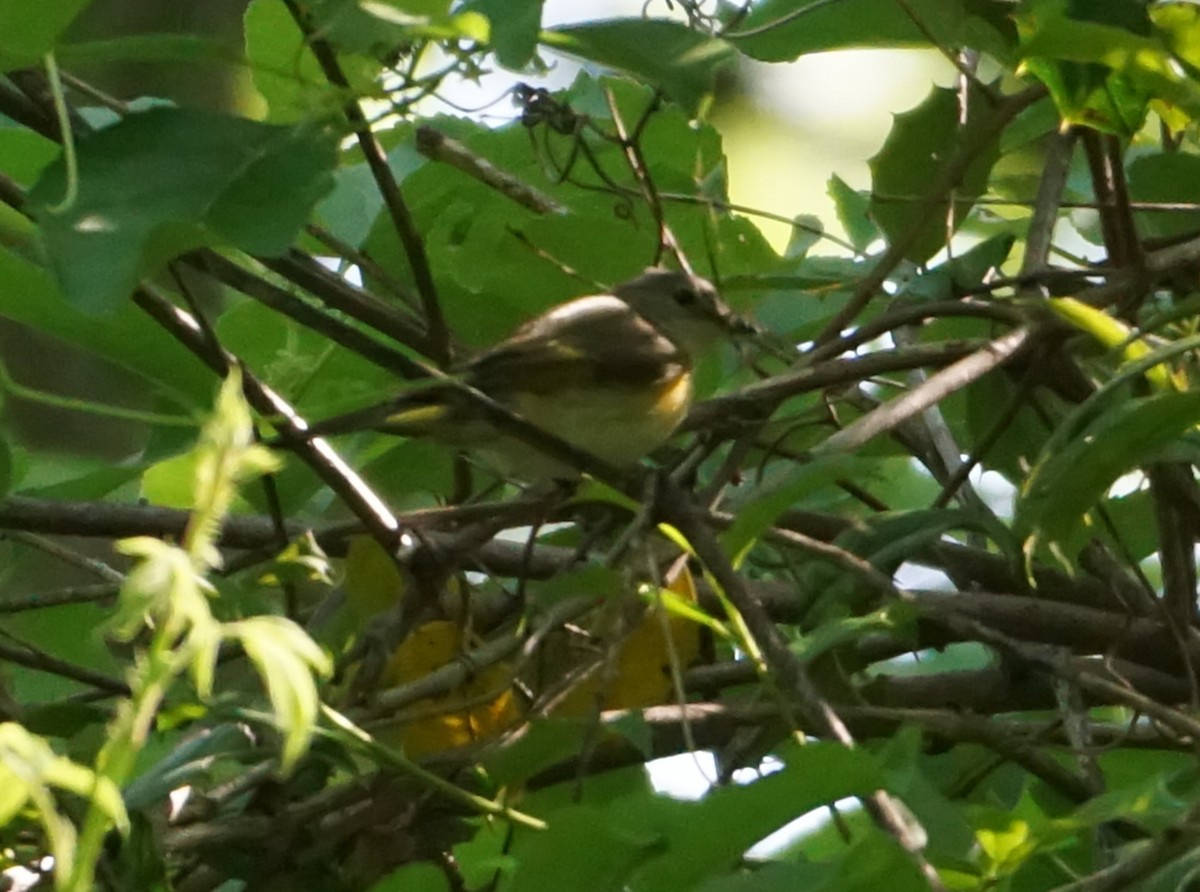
x,y
421,413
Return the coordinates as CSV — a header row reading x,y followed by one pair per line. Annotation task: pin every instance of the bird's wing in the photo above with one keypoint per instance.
x,y
544,356
585,341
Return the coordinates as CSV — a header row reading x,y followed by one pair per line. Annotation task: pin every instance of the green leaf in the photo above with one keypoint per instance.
x,y
853,208
187,762
174,49
1169,178
485,858
774,876
378,28
63,719
584,850
783,30
351,208
24,155
687,609
546,742
1103,63
591,580
1069,480
1091,95
1178,26
30,30
886,540
165,181
168,483
1116,335
286,659
950,280
806,232
1151,804
702,838
515,27
1133,515
662,53
361,27
1016,447
873,862
285,72
652,843
896,620
912,160
30,770
31,297
756,516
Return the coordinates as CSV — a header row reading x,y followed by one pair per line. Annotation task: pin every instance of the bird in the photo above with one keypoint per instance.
x,y
609,374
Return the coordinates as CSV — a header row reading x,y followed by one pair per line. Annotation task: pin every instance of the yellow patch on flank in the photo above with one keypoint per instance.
x,y
418,417
675,398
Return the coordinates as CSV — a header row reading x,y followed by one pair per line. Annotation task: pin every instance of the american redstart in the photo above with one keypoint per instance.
x,y
610,374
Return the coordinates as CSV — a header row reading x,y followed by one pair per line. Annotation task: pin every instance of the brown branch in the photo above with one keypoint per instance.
x,y
436,146
910,314
17,106
1112,198
789,672
950,176
367,265
78,594
67,555
1040,233
936,388
327,464
631,147
338,294
1171,483
402,219
116,520
757,401
287,304
1050,659
31,658
1176,842
1084,630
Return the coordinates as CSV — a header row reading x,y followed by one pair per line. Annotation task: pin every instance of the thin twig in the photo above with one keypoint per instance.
x,y
757,401
938,387
791,674
1174,843
67,555
77,594
287,304
641,172
953,172
389,189
435,145
32,658
328,465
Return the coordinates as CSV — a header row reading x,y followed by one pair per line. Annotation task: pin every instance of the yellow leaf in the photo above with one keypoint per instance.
x,y
429,647
1114,334
642,673
482,708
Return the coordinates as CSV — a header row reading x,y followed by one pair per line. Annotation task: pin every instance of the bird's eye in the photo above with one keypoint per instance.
x,y
685,297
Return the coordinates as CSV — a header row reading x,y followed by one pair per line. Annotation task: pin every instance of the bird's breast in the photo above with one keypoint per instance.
x,y
617,424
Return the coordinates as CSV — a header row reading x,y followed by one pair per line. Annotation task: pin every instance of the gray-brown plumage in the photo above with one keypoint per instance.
x,y
607,373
